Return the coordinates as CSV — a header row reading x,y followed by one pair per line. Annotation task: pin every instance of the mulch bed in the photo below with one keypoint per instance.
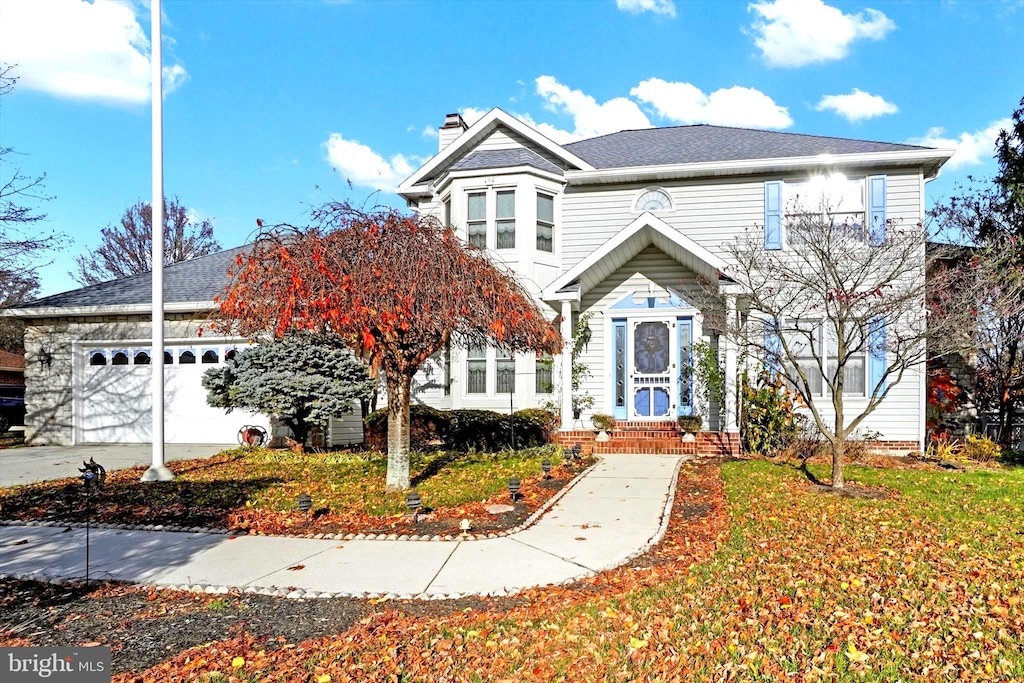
x,y
164,635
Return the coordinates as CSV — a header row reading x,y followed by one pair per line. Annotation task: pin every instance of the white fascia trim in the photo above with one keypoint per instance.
x,y
502,171
119,309
750,166
486,124
646,220
573,294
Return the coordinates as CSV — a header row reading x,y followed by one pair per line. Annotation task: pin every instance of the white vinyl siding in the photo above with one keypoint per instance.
x,y
345,430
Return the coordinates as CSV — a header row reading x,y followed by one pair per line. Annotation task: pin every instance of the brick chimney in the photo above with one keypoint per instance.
x,y
453,127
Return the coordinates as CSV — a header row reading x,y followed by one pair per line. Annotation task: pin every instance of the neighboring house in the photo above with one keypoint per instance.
x,y
12,369
623,226
89,352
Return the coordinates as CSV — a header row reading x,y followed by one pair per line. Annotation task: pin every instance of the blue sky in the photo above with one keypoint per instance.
x,y
271,107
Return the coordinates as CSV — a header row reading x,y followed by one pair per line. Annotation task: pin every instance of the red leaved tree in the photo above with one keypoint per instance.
x,y
395,288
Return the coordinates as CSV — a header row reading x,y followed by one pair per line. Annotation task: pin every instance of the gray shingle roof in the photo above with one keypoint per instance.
x,y
704,143
501,158
200,279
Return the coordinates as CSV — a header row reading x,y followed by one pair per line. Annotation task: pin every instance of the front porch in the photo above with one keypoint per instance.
x,y
638,298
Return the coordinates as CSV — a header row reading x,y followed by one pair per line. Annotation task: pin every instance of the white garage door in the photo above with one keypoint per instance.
x,y
113,398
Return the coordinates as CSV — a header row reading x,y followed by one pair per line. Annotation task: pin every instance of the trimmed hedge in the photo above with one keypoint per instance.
x,y
465,430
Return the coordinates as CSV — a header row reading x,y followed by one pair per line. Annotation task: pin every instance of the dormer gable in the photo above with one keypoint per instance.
x,y
538,151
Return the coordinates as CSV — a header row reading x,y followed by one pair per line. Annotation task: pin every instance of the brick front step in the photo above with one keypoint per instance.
x,y
653,437
663,449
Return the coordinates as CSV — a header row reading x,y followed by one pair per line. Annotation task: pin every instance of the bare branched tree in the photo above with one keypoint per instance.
x,y
20,247
126,249
990,275
987,291
840,312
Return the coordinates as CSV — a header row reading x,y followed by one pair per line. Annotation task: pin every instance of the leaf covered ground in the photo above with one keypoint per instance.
x,y
760,578
257,490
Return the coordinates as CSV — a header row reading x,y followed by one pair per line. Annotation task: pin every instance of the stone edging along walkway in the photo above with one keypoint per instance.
x,y
570,570
330,537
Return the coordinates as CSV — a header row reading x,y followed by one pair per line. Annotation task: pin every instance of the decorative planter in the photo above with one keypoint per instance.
x,y
688,437
602,436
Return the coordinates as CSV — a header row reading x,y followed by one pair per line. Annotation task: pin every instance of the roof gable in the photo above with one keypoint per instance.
x,y
647,229
465,143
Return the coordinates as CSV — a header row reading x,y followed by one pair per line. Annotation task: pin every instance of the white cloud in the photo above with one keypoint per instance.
x,y
80,50
429,133
665,7
735,106
857,106
792,33
471,114
589,118
972,149
362,166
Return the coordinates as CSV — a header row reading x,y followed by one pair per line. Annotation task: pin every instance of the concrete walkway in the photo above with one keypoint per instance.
x,y
609,516
30,464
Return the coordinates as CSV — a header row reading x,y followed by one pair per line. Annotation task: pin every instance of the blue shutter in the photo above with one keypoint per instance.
x,y
773,214
877,361
876,210
772,348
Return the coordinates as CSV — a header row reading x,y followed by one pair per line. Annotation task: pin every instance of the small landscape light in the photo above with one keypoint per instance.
x,y
186,496
305,503
465,526
513,488
69,495
546,466
413,501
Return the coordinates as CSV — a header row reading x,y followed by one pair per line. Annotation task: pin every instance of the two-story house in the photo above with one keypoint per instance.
x,y
622,228
618,229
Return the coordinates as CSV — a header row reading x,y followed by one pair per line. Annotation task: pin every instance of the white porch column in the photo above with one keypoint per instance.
x,y
565,378
729,422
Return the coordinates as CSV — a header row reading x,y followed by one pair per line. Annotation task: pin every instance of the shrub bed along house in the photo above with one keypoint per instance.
x,y
465,430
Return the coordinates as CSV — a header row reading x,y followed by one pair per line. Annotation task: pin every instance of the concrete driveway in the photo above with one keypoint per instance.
x,y
41,463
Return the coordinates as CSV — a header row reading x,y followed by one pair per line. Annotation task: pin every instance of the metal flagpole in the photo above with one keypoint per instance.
x,y
158,471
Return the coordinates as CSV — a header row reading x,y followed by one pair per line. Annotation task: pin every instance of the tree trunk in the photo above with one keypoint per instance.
x,y
399,392
838,451
300,430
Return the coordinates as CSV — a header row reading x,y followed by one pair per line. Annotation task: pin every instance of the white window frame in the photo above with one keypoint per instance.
x,y
653,189
491,219
549,225
824,340
470,194
821,203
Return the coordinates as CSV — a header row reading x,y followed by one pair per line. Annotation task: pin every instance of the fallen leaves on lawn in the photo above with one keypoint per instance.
x,y
779,584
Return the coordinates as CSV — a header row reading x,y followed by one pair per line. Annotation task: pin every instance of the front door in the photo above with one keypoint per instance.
x,y
652,368
652,350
